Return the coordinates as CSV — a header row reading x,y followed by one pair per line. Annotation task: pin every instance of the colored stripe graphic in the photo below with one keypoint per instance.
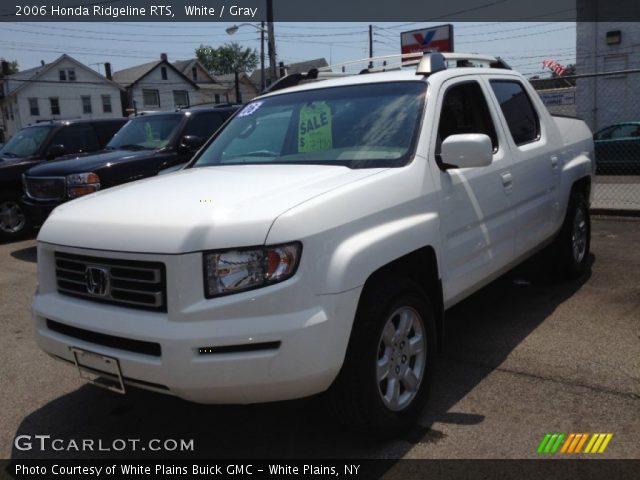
x,y
573,443
568,442
581,443
543,443
598,442
555,447
551,442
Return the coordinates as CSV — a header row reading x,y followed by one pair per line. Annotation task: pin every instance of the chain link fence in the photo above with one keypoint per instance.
x,y
610,104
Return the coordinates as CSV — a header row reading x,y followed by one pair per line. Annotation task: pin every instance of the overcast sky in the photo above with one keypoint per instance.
x,y
523,45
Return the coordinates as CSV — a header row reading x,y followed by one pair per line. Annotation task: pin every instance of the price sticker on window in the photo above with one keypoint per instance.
x,y
314,128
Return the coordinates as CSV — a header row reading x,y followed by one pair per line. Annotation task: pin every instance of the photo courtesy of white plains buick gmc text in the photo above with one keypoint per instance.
x,y
316,241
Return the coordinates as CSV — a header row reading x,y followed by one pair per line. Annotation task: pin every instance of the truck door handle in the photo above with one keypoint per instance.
x,y
554,162
507,180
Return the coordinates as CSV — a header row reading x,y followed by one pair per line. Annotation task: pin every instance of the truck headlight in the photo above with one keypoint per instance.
x,y
236,270
79,184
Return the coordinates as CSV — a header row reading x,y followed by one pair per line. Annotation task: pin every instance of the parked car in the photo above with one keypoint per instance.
x,y
36,144
144,146
618,149
316,241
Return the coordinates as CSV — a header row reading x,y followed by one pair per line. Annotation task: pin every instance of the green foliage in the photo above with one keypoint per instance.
x,y
229,58
13,67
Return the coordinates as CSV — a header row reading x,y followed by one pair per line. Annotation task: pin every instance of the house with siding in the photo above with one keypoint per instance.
x,y
288,69
218,88
156,86
210,90
64,89
248,90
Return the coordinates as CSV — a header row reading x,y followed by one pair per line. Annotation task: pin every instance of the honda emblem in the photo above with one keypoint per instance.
x,y
97,281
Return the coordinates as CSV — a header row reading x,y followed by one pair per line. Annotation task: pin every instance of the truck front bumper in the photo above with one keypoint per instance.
x,y
38,211
276,343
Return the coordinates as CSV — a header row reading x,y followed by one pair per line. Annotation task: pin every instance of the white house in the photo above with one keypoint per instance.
x,y
61,90
156,86
210,91
248,91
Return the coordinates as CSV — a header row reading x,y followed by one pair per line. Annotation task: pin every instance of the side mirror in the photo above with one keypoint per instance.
x,y
190,143
467,150
55,151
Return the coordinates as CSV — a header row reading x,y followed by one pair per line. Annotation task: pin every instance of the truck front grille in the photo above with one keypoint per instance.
x,y
128,283
45,188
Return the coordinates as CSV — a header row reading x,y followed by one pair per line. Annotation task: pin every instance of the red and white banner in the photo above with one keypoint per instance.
x,y
555,67
434,39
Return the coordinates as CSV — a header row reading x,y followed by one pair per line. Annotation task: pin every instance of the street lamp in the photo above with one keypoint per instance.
x,y
272,48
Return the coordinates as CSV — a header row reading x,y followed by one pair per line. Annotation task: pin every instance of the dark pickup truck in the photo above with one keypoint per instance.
x,y
146,145
39,143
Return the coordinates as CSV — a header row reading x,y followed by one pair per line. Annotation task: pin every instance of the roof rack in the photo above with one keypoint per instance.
x,y
427,63
205,105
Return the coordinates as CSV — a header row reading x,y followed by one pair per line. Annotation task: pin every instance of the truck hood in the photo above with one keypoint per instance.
x,y
6,162
194,209
87,163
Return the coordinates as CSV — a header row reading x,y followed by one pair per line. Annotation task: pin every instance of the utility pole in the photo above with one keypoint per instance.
x,y
272,43
371,45
262,82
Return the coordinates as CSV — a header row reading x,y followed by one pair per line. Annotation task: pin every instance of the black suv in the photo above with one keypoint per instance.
x,y
35,144
144,146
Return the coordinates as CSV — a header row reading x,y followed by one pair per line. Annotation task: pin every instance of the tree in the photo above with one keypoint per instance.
x,y
13,67
229,58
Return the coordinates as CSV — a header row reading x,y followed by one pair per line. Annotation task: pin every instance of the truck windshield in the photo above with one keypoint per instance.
x,y
357,126
147,132
26,142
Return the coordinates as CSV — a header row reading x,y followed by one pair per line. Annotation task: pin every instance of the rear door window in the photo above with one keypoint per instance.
x,y
625,131
77,138
518,110
203,125
106,130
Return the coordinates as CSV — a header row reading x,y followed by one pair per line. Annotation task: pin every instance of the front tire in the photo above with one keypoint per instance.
x,y
574,241
14,222
384,382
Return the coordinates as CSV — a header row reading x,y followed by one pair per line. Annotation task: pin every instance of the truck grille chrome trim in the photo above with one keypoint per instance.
x,y
128,283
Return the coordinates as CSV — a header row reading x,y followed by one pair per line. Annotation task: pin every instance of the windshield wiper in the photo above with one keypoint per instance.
x,y
132,146
8,154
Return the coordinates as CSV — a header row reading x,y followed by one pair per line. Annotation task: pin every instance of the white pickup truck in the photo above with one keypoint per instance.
x,y
315,243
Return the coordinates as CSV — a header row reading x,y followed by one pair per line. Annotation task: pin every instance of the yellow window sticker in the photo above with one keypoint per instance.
x,y
314,128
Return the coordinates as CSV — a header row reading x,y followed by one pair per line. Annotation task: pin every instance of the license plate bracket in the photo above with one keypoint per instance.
x,y
100,370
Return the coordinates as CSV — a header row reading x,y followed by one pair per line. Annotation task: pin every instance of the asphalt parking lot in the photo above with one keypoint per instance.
x,y
525,356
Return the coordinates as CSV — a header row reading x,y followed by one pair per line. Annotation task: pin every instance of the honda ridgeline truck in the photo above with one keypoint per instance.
x,y
316,241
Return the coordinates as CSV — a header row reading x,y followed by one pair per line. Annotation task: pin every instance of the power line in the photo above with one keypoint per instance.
x,y
517,36
251,35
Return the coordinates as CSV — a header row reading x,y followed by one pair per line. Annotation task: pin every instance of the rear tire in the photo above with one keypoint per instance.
x,y
574,241
14,222
384,382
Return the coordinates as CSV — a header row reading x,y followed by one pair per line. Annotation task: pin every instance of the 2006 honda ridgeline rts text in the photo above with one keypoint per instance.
x,y
316,241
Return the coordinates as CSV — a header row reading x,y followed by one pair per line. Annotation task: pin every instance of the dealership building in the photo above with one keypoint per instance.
x,y
608,53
